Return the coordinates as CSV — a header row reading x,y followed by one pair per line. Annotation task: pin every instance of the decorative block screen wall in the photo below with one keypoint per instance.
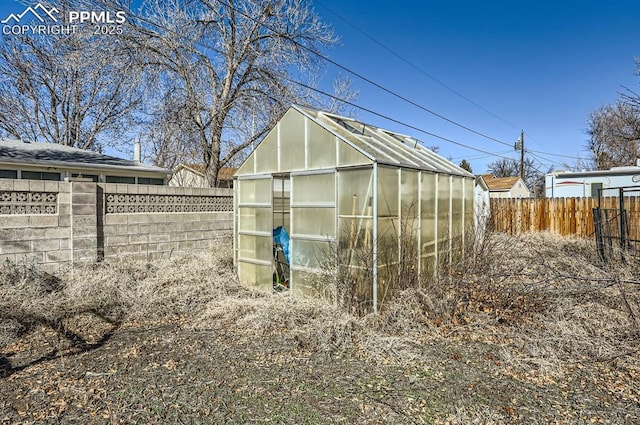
x,y
138,203
14,202
57,224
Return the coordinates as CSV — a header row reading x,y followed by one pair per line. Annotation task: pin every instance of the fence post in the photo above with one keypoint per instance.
x,y
622,220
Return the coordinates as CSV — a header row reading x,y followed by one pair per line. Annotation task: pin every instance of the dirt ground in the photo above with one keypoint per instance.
x,y
166,373
242,361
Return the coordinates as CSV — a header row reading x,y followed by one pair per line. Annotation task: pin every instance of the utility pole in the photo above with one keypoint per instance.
x,y
522,155
520,145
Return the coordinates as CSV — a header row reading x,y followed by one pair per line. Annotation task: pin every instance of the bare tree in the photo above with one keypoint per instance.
x,y
171,134
614,132
504,167
233,66
68,89
533,176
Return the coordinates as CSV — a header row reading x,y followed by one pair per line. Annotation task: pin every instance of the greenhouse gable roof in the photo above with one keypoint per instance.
x,y
383,146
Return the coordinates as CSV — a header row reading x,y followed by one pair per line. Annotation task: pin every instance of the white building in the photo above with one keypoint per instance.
x,y
192,175
581,184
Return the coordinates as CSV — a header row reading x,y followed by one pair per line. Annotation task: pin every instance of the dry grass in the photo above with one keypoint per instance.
x,y
535,309
114,292
547,297
561,305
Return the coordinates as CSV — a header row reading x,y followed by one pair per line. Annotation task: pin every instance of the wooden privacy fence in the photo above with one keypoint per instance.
x,y
563,216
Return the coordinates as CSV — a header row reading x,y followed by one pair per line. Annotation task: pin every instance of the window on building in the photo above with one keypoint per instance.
x,y
93,177
40,175
147,180
8,174
120,179
595,192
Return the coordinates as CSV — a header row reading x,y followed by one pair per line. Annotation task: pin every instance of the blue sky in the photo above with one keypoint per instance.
x,y
539,66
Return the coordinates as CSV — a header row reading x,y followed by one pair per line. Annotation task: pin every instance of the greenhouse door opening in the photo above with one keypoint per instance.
x,y
281,231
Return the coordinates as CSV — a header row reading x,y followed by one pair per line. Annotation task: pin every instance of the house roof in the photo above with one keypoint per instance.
x,y
225,173
17,152
383,146
615,171
499,183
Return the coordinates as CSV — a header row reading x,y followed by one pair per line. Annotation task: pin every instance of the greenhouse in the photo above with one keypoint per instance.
x,y
325,194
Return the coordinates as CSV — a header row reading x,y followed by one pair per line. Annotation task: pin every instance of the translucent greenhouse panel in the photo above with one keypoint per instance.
x,y
457,214
355,243
355,237
313,229
355,204
444,212
409,223
469,198
319,222
312,254
322,147
354,288
388,257
254,233
236,213
292,141
255,275
255,191
351,131
315,285
266,154
252,247
388,233
388,192
247,166
253,219
456,203
355,190
389,282
347,155
428,224
314,188
389,227
409,193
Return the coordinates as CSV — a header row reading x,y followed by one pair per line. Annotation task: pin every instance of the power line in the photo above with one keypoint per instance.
x,y
474,157
365,79
416,67
423,72
555,154
206,46
543,160
548,160
368,80
386,117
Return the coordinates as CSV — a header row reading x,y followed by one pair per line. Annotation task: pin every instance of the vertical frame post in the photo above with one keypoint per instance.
x,y
375,236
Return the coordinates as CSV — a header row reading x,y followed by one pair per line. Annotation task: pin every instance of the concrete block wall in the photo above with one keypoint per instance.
x,y
148,236
84,222
43,239
82,231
